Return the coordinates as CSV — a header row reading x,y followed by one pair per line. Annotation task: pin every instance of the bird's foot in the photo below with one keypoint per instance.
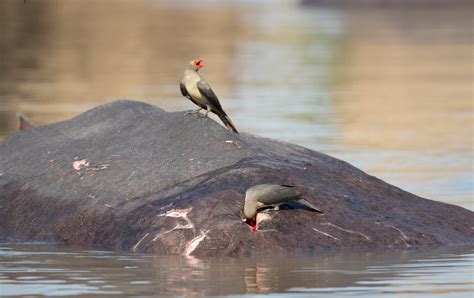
x,y
193,112
203,115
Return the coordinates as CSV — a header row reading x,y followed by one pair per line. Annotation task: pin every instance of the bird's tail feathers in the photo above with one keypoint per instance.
x,y
228,123
310,205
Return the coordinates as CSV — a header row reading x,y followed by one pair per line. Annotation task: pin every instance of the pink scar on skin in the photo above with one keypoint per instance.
x,y
254,224
78,164
193,244
180,213
177,213
258,219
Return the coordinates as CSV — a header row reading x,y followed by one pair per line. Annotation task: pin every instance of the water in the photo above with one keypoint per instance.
x,y
45,269
388,90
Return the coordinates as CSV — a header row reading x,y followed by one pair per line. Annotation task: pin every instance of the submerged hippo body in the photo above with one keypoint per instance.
x,y
130,176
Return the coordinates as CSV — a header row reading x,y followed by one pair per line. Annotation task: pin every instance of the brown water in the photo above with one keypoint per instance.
x,y
45,269
388,90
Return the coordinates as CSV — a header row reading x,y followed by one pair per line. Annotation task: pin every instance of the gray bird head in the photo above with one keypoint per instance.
x,y
250,205
196,64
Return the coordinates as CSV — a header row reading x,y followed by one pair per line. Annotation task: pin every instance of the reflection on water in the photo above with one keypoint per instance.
x,y
42,269
390,91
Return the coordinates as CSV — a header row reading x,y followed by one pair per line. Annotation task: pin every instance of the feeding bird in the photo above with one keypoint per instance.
x,y
200,93
271,195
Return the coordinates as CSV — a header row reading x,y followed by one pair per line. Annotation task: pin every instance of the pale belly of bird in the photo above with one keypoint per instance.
x,y
195,94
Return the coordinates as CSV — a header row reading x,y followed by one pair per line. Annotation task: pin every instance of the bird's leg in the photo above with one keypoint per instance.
x,y
207,112
193,112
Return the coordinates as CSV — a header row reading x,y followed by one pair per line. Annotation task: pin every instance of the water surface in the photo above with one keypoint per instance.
x,y
46,269
388,90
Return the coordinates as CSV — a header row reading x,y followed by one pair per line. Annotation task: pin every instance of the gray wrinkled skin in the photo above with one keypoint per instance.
x,y
165,183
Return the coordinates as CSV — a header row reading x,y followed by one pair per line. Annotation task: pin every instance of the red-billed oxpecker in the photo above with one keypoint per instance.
x,y
262,196
200,93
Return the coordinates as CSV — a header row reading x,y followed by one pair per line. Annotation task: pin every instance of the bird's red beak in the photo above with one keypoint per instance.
x,y
199,63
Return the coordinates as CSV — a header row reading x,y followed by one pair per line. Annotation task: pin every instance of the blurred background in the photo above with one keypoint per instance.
x,y
387,87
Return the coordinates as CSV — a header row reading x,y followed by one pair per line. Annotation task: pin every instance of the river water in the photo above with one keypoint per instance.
x,y
45,269
389,90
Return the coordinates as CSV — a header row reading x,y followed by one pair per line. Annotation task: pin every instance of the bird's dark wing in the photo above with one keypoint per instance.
x,y
277,194
207,92
309,205
184,91
304,202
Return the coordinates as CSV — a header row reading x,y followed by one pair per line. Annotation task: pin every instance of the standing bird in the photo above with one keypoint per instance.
x,y
200,93
270,195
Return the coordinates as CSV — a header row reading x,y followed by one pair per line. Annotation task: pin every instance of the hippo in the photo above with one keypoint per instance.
x,y
130,176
